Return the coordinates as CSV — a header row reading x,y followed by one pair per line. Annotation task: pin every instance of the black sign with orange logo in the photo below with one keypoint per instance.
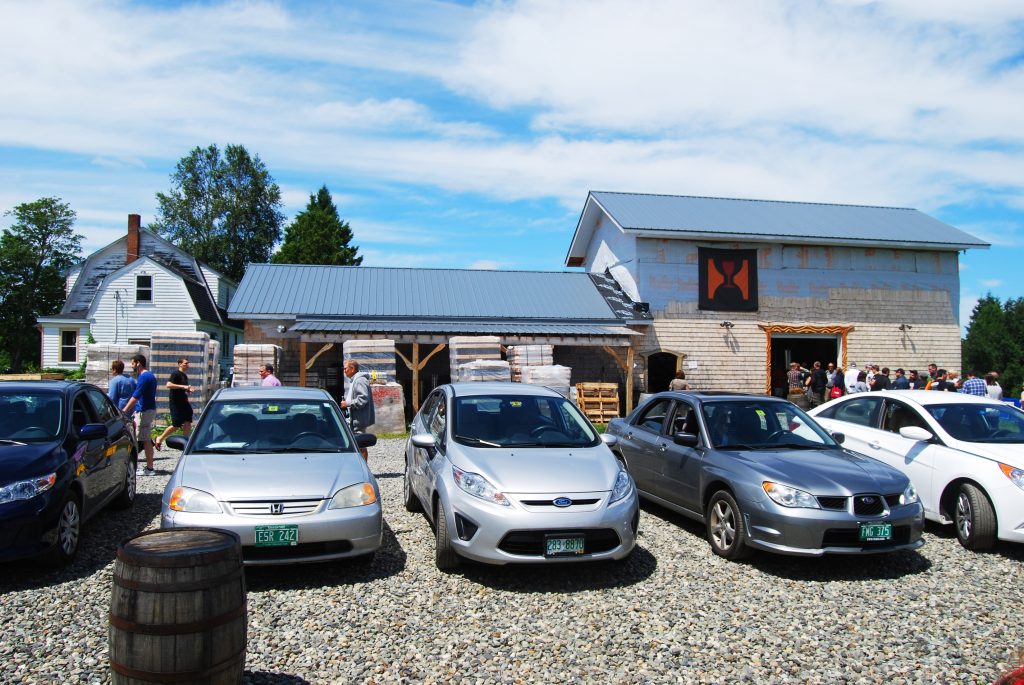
x,y
728,280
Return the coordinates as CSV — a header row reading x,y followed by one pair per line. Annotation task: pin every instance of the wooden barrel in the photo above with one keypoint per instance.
x,y
178,608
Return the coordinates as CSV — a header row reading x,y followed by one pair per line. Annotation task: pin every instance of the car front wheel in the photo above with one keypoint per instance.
x,y
69,528
725,527
975,520
444,556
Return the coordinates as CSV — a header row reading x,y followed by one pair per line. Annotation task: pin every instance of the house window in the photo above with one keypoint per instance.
x,y
143,288
68,346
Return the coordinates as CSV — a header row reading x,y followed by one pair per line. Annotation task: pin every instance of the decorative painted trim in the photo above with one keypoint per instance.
x,y
769,329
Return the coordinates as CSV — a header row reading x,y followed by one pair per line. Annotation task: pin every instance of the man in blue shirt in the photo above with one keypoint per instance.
x,y
901,382
144,398
121,385
974,385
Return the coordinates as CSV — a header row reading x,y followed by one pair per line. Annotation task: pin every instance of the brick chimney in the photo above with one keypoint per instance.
x,y
134,223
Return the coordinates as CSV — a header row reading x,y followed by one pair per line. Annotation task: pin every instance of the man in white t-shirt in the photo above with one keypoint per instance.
x,y
850,376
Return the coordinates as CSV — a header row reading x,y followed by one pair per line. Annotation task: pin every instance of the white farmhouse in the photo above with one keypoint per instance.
x,y
135,285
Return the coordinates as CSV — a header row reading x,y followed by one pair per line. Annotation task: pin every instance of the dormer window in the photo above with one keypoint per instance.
x,y
143,288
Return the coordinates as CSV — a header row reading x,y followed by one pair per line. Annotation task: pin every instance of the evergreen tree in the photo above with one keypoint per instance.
x,y
318,236
993,341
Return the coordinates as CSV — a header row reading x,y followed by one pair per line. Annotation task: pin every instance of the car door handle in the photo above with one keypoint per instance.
x,y
874,445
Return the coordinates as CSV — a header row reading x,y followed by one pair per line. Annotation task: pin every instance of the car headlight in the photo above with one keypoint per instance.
x,y
1015,474
193,501
621,487
357,495
27,489
478,486
909,495
789,497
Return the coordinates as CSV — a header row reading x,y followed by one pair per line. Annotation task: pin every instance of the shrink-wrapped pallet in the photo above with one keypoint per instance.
x,y
166,348
375,357
463,349
100,355
249,359
519,356
388,408
483,370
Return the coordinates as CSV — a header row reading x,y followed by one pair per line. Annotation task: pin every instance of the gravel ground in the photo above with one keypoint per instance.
x,y
672,613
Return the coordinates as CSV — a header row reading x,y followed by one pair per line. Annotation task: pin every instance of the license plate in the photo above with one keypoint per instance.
x,y
563,546
277,536
875,532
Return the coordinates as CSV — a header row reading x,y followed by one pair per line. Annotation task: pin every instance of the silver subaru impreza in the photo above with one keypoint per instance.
x,y
511,473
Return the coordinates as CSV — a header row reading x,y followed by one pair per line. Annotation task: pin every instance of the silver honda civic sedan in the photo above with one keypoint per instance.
x,y
280,467
509,473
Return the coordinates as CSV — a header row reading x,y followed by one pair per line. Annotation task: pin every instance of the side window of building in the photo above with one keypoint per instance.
x,y
143,288
105,411
653,418
862,411
69,346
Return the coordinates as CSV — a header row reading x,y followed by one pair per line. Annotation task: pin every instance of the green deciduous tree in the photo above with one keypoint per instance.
x,y
34,253
318,236
993,341
223,210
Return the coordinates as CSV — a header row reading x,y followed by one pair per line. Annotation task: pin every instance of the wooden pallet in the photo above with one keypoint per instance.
x,y
599,401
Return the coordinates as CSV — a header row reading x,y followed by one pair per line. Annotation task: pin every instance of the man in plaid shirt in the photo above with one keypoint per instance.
x,y
974,385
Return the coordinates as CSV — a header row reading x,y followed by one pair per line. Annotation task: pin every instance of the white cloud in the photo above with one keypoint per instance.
x,y
992,282
485,265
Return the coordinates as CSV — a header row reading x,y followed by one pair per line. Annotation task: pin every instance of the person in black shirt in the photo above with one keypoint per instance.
x,y
181,409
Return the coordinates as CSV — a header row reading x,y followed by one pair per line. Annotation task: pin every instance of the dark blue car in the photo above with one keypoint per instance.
x,y
65,453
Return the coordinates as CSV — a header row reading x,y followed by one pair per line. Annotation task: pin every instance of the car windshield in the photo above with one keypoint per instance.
x,y
271,426
30,417
762,424
521,421
991,423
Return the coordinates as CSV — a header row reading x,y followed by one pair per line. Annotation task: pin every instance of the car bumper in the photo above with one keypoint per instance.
x,y
29,528
492,534
325,535
816,532
1008,502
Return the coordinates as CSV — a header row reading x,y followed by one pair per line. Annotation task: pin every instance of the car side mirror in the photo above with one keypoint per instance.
x,y
364,440
685,439
839,437
609,439
92,431
176,442
424,441
916,433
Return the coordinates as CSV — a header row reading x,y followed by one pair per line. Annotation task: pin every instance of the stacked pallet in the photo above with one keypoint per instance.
x,y
555,377
100,355
249,359
166,348
483,371
212,370
520,356
388,408
599,401
376,357
471,348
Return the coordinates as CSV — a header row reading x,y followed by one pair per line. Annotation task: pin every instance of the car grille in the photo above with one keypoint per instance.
x,y
868,505
303,549
833,502
531,542
551,503
850,537
288,507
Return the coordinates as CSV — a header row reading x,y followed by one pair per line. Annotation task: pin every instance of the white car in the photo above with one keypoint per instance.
x,y
964,454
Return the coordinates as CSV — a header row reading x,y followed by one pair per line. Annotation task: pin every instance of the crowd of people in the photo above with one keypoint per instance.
x,y
821,384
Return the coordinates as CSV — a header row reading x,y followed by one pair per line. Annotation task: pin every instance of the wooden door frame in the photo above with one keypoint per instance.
x,y
770,329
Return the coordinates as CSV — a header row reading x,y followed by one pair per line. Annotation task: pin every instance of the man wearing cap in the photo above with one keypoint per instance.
x,y
900,382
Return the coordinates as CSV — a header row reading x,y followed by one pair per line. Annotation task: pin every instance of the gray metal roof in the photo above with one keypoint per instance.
x,y
458,327
302,292
711,218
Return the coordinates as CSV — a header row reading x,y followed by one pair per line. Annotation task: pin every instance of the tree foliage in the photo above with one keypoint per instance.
x,y
993,341
34,254
318,236
225,210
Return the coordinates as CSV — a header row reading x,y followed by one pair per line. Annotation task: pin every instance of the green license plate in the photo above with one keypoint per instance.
x,y
875,532
277,536
563,546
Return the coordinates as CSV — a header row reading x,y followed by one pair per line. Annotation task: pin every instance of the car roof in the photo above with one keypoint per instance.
x,y
705,395
36,386
500,388
924,397
280,392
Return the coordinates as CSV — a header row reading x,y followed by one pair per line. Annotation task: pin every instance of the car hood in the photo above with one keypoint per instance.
x,y
1007,453
824,472
233,477
20,462
542,470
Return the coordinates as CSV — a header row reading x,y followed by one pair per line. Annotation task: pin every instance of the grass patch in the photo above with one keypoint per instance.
x,y
391,436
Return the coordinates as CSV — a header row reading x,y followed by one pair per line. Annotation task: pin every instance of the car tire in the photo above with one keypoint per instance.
x,y
726,531
445,557
126,498
412,502
69,530
974,518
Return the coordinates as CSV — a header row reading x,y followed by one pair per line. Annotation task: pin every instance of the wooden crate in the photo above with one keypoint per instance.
x,y
599,401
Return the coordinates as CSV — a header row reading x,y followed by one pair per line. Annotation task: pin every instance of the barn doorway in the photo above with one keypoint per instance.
x,y
661,369
804,349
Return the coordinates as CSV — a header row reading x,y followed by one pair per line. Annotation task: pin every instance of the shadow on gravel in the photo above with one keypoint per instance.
x,y
388,474
559,578
264,678
684,522
97,547
388,561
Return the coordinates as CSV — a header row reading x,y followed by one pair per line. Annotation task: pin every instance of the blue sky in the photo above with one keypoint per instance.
x,y
467,135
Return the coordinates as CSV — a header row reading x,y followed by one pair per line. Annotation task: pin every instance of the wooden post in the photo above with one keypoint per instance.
x,y
629,380
415,377
302,363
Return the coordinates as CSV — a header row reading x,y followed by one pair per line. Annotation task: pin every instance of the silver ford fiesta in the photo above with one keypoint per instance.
x,y
280,467
512,473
